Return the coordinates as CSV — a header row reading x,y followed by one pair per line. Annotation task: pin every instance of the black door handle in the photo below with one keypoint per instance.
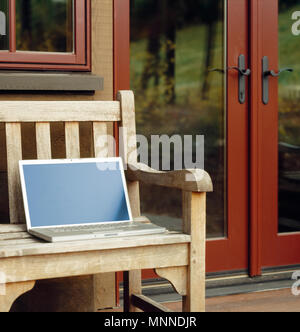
x,y
272,72
243,73
266,73
218,70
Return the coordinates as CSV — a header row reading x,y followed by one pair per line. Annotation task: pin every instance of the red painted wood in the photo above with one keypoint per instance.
x,y
121,52
277,249
88,25
231,253
79,60
12,26
121,45
255,139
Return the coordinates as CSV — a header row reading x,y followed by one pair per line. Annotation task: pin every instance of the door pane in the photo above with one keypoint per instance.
x,y
4,26
289,116
174,46
45,26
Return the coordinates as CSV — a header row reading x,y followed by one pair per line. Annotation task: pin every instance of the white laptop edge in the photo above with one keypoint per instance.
x,y
71,161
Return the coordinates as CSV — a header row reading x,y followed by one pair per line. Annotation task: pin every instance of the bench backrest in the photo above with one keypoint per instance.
x,y
71,113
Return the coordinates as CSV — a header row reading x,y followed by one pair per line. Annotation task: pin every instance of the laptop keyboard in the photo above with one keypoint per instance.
x,y
93,228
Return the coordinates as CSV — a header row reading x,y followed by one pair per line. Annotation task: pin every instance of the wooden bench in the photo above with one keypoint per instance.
x,y
177,257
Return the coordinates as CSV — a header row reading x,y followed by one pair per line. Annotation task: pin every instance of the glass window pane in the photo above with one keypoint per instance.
x,y
4,26
45,26
289,117
174,44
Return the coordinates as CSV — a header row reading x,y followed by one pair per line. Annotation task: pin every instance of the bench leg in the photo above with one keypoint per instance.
x,y
10,292
104,291
132,285
194,216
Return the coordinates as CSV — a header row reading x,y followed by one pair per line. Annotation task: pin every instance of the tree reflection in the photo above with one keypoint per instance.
x,y
173,44
44,25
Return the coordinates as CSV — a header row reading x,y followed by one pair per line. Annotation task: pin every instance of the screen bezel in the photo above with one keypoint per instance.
x,y
71,161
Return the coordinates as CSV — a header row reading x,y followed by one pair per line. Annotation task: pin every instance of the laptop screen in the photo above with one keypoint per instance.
x,y
72,193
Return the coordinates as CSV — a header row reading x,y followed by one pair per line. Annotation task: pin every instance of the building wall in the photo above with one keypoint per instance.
x,y
76,293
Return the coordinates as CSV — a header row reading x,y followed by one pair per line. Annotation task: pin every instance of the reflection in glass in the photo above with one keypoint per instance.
x,y
4,26
174,43
45,26
289,118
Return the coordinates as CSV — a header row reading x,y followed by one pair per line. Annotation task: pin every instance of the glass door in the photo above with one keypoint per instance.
x,y
184,59
278,128
289,118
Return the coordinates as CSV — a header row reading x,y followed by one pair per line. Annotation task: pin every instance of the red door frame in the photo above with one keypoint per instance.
x,y
121,45
230,253
255,139
269,249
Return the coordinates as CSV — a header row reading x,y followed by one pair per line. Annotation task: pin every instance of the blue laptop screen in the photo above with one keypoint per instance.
x,y
75,193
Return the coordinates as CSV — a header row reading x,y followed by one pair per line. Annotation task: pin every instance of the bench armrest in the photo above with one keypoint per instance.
x,y
192,180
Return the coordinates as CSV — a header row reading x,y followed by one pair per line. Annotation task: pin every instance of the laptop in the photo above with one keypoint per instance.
x,y
69,200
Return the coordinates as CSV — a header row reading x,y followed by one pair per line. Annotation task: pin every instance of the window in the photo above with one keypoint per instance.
x,y
50,34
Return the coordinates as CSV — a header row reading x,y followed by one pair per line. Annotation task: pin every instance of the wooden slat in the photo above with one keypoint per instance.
x,y
72,140
128,148
147,305
62,111
102,244
43,140
12,228
100,134
19,231
11,236
14,242
14,155
38,267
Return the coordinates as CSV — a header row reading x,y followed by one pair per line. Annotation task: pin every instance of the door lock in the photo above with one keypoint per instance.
x,y
243,73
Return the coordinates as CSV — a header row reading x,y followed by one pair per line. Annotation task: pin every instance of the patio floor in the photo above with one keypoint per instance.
x,y
270,301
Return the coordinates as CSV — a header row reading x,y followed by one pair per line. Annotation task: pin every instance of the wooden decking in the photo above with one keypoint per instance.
x,y
270,301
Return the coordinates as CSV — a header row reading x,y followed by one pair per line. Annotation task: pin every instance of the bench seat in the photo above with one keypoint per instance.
x,y
20,243
25,258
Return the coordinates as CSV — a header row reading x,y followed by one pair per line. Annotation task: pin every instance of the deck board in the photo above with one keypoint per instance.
x,y
270,301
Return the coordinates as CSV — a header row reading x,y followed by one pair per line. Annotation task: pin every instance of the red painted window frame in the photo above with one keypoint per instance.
x,y
80,59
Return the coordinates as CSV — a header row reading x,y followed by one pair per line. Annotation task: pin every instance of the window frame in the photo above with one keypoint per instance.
x,y
80,59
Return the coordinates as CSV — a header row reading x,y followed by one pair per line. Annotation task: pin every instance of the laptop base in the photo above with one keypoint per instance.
x,y
131,229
